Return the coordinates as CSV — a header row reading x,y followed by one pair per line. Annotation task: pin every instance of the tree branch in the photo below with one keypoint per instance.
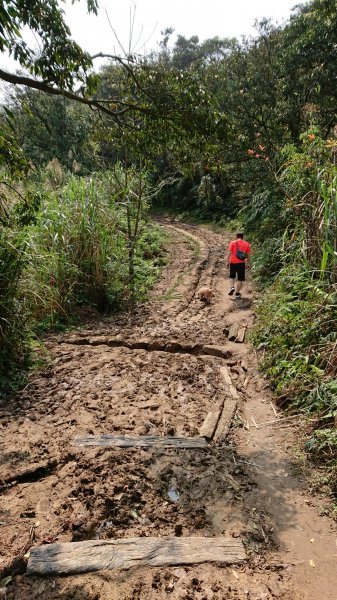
x,y
48,89
127,68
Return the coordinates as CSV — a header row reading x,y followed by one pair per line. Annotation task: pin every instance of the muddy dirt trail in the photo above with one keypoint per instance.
x,y
157,372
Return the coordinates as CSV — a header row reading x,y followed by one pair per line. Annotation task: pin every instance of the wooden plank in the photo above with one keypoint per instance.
x,y
224,372
95,555
208,427
134,441
241,334
244,364
212,350
233,331
233,392
225,420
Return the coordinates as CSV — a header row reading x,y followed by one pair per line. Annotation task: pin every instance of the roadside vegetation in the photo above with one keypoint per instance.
x,y
221,130
72,246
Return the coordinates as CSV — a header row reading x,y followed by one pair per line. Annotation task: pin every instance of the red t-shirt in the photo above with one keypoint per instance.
x,y
238,245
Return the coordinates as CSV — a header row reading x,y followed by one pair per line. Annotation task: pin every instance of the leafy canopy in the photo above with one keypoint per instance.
x,y
60,60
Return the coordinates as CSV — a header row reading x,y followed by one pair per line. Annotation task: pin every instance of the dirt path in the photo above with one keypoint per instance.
x,y
156,372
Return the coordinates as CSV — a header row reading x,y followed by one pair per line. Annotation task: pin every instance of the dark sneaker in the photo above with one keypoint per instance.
x,y
237,295
231,292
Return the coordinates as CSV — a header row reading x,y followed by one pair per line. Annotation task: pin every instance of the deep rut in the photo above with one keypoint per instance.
x,y
156,372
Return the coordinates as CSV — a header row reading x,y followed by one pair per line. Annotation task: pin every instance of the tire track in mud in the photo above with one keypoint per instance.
x,y
207,262
154,371
202,264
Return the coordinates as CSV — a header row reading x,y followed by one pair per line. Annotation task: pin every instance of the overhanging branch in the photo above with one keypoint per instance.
x,y
127,67
48,89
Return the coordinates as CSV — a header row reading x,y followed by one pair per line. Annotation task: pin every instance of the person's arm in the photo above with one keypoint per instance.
x,y
248,258
229,255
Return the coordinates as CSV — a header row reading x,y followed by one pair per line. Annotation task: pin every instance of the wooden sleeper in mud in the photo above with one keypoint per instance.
x,y
133,441
95,555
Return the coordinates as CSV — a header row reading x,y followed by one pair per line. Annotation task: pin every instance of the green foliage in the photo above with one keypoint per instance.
x,y
150,257
17,211
297,332
323,442
60,60
11,154
72,252
290,332
80,248
12,318
309,179
166,114
48,127
310,61
324,399
70,248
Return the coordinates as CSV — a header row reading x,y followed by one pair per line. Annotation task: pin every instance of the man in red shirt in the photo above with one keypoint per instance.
x,y
239,251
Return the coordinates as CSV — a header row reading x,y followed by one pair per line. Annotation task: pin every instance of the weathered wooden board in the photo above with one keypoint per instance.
x,y
241,334
233,332
95,555
224,372
131,441
212,350
225,420
244,364
233,392
208,427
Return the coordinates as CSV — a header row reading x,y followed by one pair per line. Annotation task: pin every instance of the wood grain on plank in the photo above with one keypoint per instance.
x,y
208,427
244,364
212,350
233,392
233,331
95,555
241,334
225,420
224,372
131,441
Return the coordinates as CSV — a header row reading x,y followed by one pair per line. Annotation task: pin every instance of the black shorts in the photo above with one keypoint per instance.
x,y
238,269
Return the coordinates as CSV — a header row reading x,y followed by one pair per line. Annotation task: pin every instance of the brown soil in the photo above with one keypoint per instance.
x,y
156,371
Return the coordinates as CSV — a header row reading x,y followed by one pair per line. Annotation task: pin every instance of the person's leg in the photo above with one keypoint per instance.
x,y
241,277
232,274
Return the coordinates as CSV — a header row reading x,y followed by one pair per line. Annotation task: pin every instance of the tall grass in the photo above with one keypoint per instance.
x,y
14,213
12,318
297,326
328,224
309,179
75,252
